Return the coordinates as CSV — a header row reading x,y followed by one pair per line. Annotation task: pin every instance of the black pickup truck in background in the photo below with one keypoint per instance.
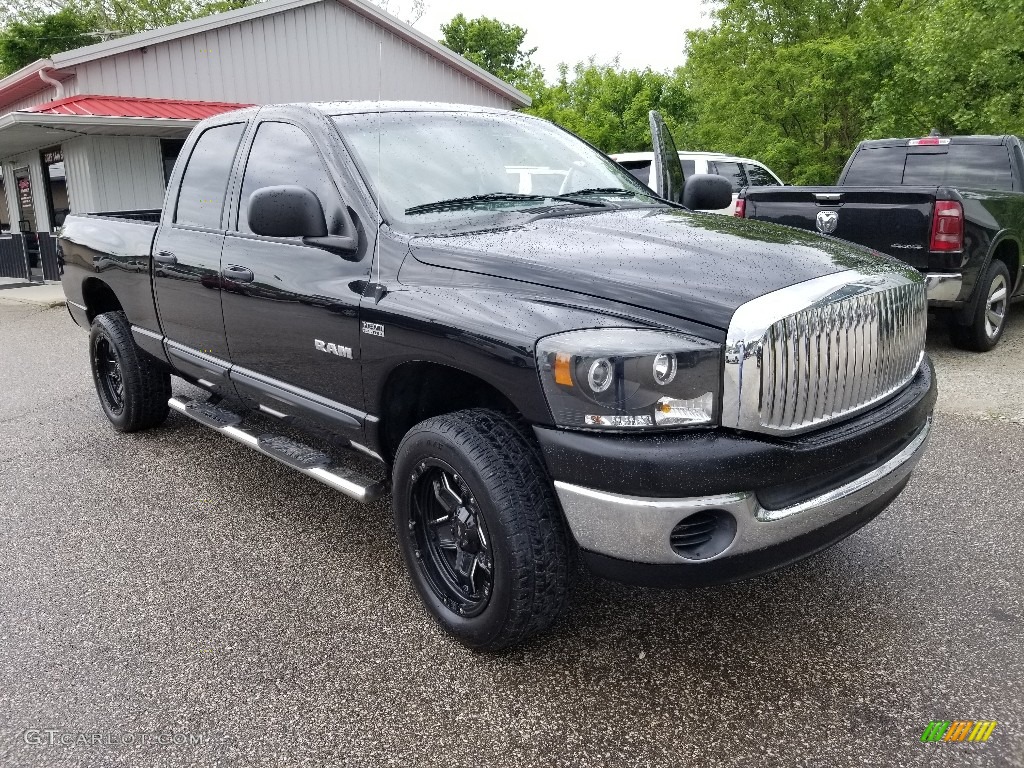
x,y
536,355
952,207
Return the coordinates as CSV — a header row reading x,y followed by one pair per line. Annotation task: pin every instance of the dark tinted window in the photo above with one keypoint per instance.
x,y
201,196
759,177
284,154
981,166
732,172
640,169
881,167
169,151
978,166
689,168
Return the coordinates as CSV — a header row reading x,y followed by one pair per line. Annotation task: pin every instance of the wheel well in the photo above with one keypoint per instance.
x,y
98,298
418,391
1008,252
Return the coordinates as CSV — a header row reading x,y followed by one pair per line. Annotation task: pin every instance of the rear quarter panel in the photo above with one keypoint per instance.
x,y
114,252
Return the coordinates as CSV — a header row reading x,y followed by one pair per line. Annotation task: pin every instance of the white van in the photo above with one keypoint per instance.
x,y
740,171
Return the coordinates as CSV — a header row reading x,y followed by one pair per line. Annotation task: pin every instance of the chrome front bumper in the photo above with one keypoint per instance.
x,y
943,287
638,529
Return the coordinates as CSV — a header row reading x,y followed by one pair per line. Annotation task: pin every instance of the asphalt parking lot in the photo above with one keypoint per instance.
x,y
174,583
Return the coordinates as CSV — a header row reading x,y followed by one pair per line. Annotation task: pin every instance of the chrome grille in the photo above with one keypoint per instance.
x,y
856,340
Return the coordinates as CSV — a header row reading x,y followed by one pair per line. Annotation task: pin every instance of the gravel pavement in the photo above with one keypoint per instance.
x,y
174,585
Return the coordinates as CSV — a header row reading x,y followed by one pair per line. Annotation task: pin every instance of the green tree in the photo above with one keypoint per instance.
x,y
22,42
790,82
33,29
609,106
959,68
496,47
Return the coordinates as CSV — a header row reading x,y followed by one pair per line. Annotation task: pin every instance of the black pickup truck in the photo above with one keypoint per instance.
x,y
951,207
536,356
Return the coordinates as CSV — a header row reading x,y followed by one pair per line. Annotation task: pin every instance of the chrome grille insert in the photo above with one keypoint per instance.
x,y
822,350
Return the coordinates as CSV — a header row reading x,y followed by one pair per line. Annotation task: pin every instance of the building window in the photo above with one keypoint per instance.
x,y
169,150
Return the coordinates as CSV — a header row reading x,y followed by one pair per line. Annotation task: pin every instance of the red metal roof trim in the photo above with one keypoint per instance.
x,y
130,106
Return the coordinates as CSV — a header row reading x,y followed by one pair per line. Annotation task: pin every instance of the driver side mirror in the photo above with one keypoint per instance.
x,y
707,192
293,211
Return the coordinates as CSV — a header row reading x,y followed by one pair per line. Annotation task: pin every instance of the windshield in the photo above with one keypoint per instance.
x,y
433,167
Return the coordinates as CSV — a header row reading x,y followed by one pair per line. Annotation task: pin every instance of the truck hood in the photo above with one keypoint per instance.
x,y
696,266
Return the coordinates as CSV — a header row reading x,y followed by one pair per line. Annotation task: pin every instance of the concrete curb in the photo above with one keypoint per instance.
x,y
48,295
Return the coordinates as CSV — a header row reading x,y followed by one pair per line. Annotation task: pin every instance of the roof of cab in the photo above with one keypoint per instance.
x,y
980,139
360,107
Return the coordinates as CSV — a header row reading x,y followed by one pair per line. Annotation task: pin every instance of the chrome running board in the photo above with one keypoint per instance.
x,y
302,458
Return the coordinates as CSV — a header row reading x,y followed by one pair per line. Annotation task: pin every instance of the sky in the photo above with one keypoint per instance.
x,y
648,34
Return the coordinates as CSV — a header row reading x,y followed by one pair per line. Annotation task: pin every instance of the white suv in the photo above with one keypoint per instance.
x,y
740,171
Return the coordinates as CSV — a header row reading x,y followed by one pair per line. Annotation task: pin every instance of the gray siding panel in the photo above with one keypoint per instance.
x,y
81,183
320,52
113,173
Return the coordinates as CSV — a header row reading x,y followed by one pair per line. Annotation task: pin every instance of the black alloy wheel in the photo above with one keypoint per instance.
x,y
109,381
484,541
451,539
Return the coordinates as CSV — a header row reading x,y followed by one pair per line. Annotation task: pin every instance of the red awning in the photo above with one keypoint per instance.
x,y
129,106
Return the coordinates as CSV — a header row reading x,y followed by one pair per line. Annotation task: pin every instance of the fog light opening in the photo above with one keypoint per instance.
x,y
703,534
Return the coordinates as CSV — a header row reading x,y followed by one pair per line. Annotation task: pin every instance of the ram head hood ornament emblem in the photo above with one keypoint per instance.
x,y
827,221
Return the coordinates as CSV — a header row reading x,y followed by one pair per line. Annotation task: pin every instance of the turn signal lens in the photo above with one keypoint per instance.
x,y
563,369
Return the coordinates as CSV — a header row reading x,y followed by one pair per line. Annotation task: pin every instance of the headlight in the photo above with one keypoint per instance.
x,y
625,378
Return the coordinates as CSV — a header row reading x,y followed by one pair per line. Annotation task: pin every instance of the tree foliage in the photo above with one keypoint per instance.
x,y
23,42
609,107
35,29
495,46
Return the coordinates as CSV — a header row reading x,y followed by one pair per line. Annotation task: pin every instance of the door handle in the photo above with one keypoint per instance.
x,y
237,274
165,257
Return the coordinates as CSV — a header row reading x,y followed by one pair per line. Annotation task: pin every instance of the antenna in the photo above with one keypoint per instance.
x,y
379,291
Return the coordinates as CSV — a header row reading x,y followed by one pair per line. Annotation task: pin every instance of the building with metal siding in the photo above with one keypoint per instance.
x,y
110,153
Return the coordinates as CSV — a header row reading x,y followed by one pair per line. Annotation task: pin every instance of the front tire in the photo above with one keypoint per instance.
x,y
480,530
133,388
989,319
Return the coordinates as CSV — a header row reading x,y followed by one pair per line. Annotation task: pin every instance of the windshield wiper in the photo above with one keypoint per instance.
x,y
458,203
601,191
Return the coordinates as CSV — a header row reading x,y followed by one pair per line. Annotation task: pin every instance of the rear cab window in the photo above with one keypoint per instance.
x,y
205,180
969,166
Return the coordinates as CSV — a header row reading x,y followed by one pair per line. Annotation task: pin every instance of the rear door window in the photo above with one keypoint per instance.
x,y
731,171
759,177
201,194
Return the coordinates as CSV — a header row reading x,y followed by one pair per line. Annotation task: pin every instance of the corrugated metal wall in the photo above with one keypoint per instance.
x,y
113,173
319,52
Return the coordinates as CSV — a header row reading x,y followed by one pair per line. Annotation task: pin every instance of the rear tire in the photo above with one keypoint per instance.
x,y
480,530
989,319
133,387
